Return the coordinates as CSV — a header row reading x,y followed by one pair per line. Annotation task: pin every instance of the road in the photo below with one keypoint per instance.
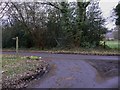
x,y
71,71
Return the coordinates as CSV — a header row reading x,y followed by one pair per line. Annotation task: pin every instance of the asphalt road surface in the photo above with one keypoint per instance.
x,y
71,71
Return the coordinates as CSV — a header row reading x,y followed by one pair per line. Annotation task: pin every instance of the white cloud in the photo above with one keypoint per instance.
x,y
109,0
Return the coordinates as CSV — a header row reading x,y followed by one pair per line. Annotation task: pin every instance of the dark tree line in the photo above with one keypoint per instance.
x,y
52,24
117,29
117,10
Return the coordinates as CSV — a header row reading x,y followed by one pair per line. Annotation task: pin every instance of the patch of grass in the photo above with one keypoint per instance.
x,y
113,44
15,68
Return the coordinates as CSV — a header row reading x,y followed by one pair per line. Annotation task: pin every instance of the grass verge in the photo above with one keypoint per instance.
x,y
17,71
84,51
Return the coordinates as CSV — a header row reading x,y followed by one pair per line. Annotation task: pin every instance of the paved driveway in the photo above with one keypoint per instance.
x,y
71,71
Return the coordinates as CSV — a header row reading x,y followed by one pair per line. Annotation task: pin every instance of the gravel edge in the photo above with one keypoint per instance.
x,y
67,52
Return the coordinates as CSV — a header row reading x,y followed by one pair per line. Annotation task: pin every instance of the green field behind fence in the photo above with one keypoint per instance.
x,y
112,44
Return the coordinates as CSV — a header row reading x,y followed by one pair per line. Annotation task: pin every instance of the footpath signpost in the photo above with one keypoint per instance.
x,y
16,45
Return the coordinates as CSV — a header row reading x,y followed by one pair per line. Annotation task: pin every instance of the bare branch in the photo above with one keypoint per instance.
x,y
55,6
19,12
4,8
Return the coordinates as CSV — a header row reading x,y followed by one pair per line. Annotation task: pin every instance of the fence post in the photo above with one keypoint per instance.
x,y
17,46
104,44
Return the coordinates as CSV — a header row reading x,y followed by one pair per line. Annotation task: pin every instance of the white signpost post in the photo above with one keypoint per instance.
x,y
16,45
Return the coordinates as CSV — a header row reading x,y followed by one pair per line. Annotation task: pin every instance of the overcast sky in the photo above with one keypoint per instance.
x,y
107,7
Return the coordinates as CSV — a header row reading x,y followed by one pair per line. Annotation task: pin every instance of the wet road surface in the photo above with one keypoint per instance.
x,y
71,71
